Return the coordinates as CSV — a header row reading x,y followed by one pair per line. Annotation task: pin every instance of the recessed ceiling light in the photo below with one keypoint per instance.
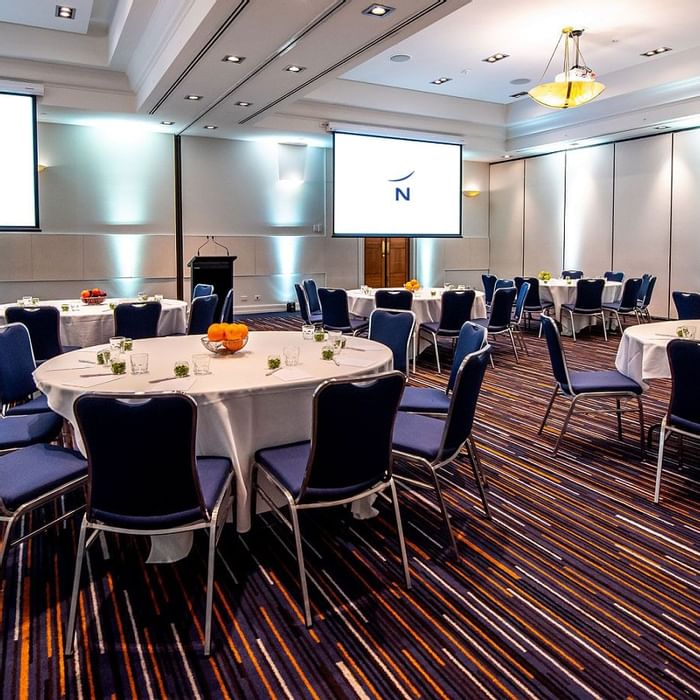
x,y
656,52
574,143
521,81
377,10
495,57
210,126
661,127
242,103
233,59
505,155
400,58
194,98
65,12
518,94
295,69
440,81
167,123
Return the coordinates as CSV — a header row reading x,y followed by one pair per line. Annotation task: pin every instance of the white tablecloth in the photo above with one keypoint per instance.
x,y
92,325
240,408
642,351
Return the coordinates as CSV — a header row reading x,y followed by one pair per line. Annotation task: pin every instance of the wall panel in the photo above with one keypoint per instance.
x,y
506,218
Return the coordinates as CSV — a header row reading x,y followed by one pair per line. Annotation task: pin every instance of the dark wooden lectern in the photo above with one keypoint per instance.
x,y
216,270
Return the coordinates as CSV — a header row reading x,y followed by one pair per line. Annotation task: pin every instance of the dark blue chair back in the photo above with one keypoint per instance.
x,y
460,416
351,436
202,311
503,284
394,328
502,307
227,308
303,303
470,340
137,319
643,289
556,351
520,301
572,274
687,305
455,309
532,300
312,295
141,459
614,276
589,295
202,290
684,361
16,364
630,292
648,292
334,307
489,282
44,326
400,299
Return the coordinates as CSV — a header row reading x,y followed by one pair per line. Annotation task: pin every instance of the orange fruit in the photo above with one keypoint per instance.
x,y
232,331
234,344
242,329
216,332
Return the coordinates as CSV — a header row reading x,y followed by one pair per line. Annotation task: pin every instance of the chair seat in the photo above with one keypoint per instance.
x,y
356,325
20,431
616,306
683,423
38,404
418,435
212,473
484,323
601,381
417,399
573,309
26,474
434,327
543,305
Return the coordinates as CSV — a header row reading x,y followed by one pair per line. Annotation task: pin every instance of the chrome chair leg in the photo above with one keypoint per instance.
x,y
478,475
302,568
81,553
210,586
573,327
437,354
549,408
642,442
399,529
569,413
512,342
619,418
605,332
445,514
660,459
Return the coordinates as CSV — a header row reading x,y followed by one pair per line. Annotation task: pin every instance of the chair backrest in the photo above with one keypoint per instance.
x,y
589,294
227,308
394,328
520,301
572,274
303,303
334,308
614,276
532,300
643,289
648,292
393,299
137,319
630,292
489,282
312,295
502,307
44,326
684,361
455,308
503,284
460,415
141,459
16,364
471,339
687,305
351,436
202,290
556,352
202,311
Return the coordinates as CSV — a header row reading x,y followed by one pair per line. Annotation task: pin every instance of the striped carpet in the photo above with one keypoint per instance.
x,y
579,587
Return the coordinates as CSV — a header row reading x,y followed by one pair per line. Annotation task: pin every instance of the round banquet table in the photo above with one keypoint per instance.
x,y
240,407
642,351
94,324
560,291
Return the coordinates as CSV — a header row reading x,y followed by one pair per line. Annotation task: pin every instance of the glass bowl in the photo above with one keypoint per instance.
x,y
93,301
218,347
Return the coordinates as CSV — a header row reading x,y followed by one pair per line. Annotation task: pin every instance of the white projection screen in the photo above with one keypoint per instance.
x,y
19,206
387,186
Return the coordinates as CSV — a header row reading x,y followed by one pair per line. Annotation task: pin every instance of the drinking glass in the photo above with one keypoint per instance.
x,y
182,368
307,331
118,364
291,355
116,344
200,363
139,362
336,339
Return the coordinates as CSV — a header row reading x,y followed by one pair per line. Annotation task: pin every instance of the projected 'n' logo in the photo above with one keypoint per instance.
x,y
405,193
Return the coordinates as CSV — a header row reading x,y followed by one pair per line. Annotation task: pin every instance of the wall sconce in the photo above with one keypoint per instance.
x,y
41,167
291,162
471,193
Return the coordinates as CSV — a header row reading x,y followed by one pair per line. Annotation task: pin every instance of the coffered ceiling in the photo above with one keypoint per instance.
x,y
138,60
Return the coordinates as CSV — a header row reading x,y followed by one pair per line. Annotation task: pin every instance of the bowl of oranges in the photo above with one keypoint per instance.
x,y
225,338
93,297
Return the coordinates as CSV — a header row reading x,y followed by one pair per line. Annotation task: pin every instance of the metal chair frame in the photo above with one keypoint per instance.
x,y
591,314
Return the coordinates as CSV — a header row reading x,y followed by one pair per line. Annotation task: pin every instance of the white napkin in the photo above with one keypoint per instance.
x,y
94,379
292,374
354,360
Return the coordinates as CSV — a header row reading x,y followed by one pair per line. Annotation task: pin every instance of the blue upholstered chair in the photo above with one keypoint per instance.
x,y
202,312
572,274
431,400
18,392
32,477
306,315
44,326
614,276
500,315
627,305
227,308
518,311
393,328
400,299
151,483
683,413
589,303
489,282
336,317
645,301
687,305
577,386
455,310
435,442
503,284
312,296
137,319
347,458
202,290
533,302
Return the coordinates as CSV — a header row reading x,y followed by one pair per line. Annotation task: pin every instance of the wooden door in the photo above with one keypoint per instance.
x,y
387,262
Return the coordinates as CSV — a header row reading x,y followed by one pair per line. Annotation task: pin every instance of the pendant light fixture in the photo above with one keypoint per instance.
x,y
573,87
